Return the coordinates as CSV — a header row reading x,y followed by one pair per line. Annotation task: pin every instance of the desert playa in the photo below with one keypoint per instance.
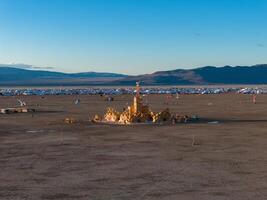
x,y
221,157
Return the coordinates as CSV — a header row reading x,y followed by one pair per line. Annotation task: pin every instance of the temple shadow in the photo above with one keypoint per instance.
x,y
220,120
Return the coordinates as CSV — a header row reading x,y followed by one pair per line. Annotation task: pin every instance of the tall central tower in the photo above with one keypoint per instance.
x,y
137,99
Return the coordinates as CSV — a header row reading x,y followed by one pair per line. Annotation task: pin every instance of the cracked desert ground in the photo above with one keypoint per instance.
x,y
43,158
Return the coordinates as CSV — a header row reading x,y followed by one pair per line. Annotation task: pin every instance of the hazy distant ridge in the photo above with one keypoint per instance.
x,y
256,74
17,76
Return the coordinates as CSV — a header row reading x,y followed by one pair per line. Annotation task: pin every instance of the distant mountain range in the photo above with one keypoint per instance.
x,y
16,76
256,74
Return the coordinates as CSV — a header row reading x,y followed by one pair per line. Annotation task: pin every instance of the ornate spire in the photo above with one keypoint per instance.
x,y
137,89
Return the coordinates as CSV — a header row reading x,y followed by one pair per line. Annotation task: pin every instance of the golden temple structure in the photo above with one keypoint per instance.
x,y
136,113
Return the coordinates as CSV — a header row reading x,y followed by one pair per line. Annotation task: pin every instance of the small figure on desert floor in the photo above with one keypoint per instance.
x,y
254,98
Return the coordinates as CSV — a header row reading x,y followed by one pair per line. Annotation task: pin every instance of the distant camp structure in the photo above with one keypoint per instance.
x,y
77,101
16,110
21,103
21,109
139,113
109,98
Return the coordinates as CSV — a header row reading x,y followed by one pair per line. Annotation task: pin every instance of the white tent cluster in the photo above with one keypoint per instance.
x,y
252,91
118,91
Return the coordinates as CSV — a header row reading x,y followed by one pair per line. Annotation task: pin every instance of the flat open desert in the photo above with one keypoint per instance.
x,y
221,157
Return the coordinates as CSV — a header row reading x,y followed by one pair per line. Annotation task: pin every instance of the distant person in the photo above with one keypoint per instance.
x,y
254,96
177,98
168,98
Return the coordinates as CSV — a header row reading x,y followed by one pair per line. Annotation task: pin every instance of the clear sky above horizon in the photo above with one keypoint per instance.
x,y
132,36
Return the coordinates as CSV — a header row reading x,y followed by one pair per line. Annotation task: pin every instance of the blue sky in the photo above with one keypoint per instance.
x,y
132,36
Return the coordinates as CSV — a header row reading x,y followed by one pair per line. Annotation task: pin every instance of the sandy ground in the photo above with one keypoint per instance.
x,y
43,158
